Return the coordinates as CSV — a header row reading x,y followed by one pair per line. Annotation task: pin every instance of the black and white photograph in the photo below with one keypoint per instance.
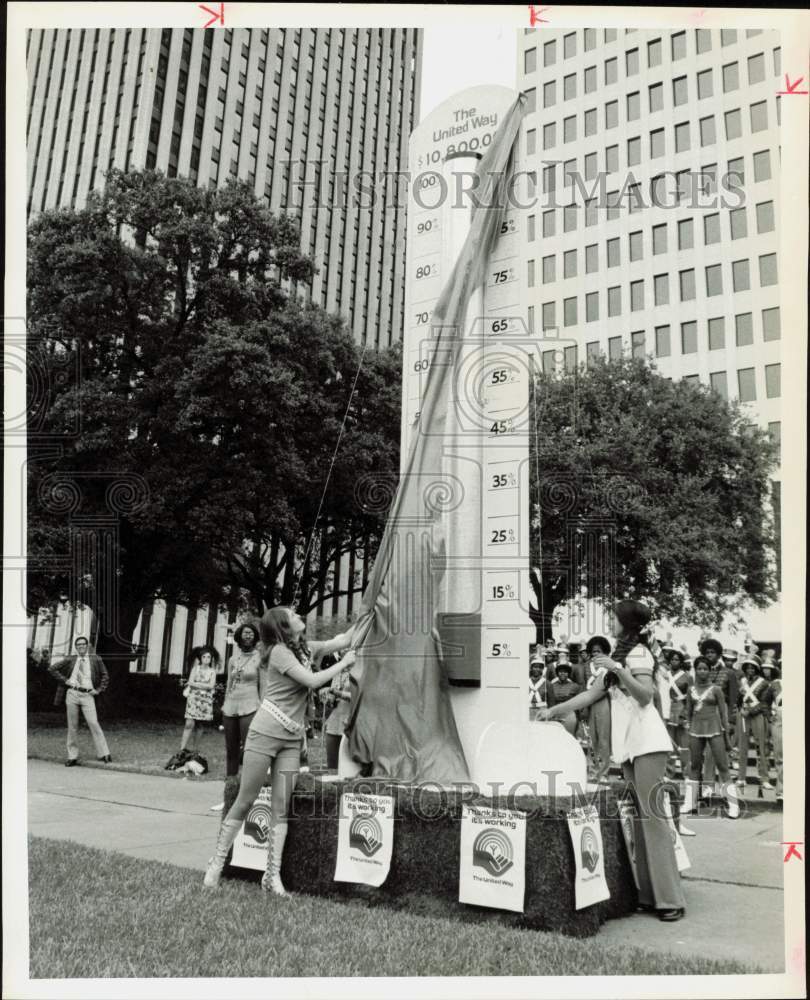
x,y
404,551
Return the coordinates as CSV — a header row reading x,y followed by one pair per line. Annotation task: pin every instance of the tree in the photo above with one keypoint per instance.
x,y
191,402
645,487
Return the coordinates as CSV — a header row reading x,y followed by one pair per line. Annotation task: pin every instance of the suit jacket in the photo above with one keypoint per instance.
x,y
61,671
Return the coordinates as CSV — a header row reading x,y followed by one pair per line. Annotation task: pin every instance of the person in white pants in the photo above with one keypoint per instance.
x,y
85,676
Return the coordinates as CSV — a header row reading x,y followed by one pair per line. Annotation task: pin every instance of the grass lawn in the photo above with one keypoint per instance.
x,y
125,917
136,745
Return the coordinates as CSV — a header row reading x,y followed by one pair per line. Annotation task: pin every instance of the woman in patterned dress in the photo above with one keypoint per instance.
x,y
199,692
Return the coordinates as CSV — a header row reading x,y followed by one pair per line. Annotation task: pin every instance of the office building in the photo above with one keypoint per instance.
x,y
677,257
298,113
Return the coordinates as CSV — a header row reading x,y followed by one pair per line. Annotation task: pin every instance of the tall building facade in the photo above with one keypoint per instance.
x,y
298,113
677,257
308,116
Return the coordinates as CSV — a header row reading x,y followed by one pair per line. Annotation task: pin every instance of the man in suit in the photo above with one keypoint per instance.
x,y
84,675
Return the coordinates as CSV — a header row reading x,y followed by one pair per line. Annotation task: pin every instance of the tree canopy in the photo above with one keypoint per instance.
x,y
190,402
650,488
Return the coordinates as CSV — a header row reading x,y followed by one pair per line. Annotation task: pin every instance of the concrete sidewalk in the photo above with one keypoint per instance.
x,y
733,889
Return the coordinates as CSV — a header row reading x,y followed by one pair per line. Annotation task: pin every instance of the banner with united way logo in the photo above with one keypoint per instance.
x,y
493,858
250,846
586,835
365,838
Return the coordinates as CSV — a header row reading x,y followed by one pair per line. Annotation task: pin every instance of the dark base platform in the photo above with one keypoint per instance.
x,y
425,864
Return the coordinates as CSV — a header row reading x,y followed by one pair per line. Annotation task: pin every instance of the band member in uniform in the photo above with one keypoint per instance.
x,y
641,744
707,721
754,706
537,688
726,680
730,658
776,730
599,712
679,681
561,690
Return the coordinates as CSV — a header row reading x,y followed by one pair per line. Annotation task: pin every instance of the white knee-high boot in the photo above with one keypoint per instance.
x,y
227,835
690,796
732,801
271,880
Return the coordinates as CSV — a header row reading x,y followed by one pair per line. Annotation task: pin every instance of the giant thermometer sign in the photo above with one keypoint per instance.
x,y
483,602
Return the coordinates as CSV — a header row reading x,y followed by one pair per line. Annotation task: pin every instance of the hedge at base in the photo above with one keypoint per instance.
x,y
425,864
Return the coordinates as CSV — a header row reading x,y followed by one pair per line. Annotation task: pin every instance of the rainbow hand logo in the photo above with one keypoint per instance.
x,y
589,849
257,824
492,851
365,834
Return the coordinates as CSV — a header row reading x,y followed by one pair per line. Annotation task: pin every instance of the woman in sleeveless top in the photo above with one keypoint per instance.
x,y
640,743
243,694
275,735
707,723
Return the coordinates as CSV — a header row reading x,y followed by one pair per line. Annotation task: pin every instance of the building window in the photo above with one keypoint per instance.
x,y
548,223
549,269
530,234
592,353
773,376
633,151
767,269
549,362
549,93
775,432
739,224
654,50
719,384
733,121
549,316
740,276
591,258
762,165
530,274
687,284
659,238
612,159
610,34
570,264
711,229
765,221
714,280
531,99
708,134
736,170
728,37
549,135
744,329
682,138
731,77
569,218
656,143
589,35
756,68
635,245
549,53
777,62
614,348
569,86
631,62
662,342
530,60
569,129
680,93
569,45
689,338
589,80
611,114
636,296
615,301
746,385
591,307
717,333
705,84
611,71
656,96
637,344
570,311
570,356
633,106
759,116
678,45
703,40
686,237
613,252
661,289
590,122
590,166
771,325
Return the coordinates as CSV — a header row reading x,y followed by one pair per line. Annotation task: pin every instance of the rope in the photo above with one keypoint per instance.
x,y
539,507
328,474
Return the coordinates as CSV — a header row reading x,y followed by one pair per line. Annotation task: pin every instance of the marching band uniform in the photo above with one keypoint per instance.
x,y
708,728
537,696
776,729
754,704
678,684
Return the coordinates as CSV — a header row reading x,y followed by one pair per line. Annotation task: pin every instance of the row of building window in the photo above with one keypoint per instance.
x,y
637,296
706,131
729,75
655,47
746,377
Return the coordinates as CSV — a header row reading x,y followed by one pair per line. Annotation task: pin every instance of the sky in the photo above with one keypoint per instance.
x,y
455,58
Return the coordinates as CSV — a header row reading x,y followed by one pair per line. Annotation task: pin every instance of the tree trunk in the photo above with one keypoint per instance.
x,y
114,646
546,597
